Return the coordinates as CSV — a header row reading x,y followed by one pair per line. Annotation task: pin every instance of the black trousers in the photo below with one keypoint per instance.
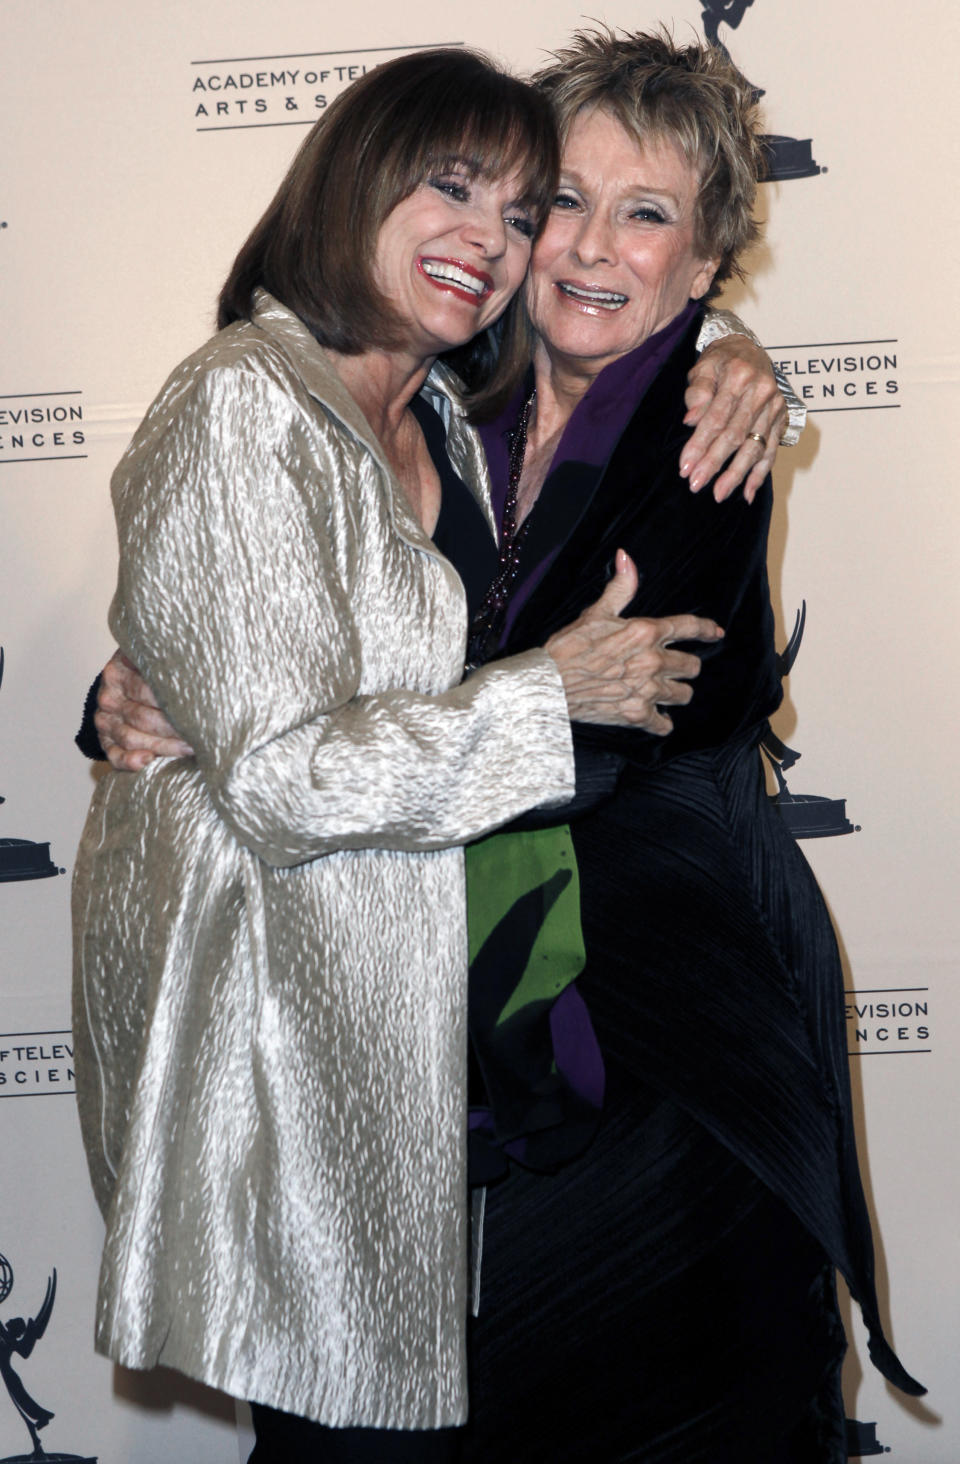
x,y
283,1438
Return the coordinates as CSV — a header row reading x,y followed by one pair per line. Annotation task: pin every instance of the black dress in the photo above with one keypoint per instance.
x,y
669,1296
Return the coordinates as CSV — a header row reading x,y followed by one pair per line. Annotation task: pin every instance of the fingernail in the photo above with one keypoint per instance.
x,y
685,469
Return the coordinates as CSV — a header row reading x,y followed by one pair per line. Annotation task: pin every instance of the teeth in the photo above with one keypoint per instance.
x,y
440,270
606,299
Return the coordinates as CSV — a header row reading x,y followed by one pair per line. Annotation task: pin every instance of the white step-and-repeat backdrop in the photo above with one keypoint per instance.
x,y
140,142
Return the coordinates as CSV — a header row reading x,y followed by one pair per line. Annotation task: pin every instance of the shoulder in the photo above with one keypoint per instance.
x,y
237,362
243,391
272,352
655,432
646,461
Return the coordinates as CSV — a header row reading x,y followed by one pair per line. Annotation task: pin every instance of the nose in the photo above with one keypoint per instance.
x,y
595,242
486,230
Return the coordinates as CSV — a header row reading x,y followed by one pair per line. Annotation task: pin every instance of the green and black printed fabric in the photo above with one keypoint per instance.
x,y
532,1047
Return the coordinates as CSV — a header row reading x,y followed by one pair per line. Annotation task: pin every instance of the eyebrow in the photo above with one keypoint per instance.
x,y
576,178
472,166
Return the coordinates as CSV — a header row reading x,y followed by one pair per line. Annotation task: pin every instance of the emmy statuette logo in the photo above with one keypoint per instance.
x,y
18,1337
22,858
787,157
807,815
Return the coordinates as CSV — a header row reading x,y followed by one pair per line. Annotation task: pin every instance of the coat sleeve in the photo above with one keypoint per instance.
x,y
230,603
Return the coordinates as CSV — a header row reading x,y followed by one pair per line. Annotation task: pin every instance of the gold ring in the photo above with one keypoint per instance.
x,y
755,437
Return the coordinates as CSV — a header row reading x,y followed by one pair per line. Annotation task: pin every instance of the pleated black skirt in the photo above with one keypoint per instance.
x,y
669,1297
654,1302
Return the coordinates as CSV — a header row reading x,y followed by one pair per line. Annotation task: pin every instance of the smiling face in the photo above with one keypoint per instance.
x,y
450,256
616,261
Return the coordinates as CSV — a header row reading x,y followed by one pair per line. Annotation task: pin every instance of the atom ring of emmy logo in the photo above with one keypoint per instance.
x,y
18,1337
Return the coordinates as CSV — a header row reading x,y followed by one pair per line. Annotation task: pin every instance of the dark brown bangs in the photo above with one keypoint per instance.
x,y
531,192
495,127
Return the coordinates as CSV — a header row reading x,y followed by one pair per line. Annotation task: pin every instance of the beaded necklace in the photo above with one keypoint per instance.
x,y
487,624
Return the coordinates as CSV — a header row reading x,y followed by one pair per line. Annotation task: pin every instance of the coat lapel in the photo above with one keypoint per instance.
x,y
321,380
654,435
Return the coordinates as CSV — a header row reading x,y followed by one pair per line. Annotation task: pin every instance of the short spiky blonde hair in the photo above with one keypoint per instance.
x,y
692,96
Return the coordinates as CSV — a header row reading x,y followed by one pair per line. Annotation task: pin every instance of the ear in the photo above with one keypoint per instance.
x,y
703,278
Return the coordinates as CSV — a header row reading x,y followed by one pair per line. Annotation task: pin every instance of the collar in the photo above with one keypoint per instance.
x,y
321,379
599,418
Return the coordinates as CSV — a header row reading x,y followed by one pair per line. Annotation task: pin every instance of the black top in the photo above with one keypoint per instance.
x,y
462,532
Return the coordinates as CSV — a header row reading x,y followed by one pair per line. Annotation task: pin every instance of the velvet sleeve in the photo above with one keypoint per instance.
x,y
696,556
87,739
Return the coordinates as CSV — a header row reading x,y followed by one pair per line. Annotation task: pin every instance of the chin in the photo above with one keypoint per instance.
x,y
591,343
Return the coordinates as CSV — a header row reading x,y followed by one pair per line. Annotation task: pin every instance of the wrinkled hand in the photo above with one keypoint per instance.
x,y
620,672
732,392
131,727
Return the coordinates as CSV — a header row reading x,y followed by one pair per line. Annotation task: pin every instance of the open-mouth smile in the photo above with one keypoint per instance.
x,y
462,280
591,297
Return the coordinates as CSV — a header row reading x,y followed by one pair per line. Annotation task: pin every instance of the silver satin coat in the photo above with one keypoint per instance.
x,y
270,940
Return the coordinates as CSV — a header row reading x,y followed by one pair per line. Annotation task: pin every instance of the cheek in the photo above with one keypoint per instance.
x,y
519,265
551,243
685,266
533,295
651,261
666,273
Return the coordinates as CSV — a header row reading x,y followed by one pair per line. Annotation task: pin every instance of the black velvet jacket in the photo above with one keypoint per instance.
x,y
693,555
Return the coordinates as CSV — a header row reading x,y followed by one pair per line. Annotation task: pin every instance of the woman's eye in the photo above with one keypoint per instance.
x,y
452,187
648,213
522,224
566,200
